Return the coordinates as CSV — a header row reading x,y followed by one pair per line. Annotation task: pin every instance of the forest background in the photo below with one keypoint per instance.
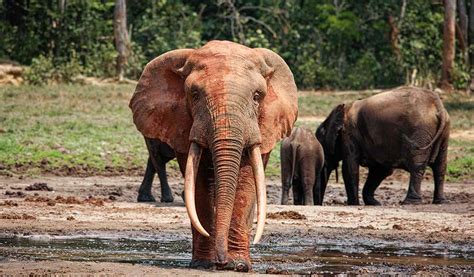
x,y
328,44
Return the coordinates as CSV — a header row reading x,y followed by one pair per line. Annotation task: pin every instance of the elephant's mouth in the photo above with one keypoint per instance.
x,y
192,166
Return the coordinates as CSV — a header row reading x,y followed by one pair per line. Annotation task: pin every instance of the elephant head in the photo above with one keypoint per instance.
x,y
329,135
233,100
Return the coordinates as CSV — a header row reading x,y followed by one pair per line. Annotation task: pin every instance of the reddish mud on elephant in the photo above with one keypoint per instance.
x,y
222,108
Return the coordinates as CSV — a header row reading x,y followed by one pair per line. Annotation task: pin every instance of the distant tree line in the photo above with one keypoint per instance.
x,y
333,44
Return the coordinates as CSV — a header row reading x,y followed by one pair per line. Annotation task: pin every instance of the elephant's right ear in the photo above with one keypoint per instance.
x,y
334,124
159,102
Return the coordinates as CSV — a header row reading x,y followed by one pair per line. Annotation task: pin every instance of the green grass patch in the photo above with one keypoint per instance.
x,y
70,128
460,160
86,130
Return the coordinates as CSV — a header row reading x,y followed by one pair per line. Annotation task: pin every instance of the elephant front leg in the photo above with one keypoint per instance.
x,y
376,176
204,247
286,182
285,192
286,169
350,174
203,253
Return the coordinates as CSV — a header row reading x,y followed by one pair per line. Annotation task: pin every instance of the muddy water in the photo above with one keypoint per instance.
x,y
280,255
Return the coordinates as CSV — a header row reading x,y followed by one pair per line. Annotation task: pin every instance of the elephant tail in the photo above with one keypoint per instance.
x,y
294,147
442,116
337,174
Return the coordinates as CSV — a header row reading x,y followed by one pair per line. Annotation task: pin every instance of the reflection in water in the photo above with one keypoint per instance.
x,y
284,256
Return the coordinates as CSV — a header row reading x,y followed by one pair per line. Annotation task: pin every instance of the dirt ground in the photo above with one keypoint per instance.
x,y
106,207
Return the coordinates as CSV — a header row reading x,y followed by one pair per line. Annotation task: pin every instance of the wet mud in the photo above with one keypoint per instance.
x,y
94,226
291,256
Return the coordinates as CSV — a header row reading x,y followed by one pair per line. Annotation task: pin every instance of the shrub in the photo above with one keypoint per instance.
x,y
41,71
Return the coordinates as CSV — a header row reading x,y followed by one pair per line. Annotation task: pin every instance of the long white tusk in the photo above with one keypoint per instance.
x,y
257,165
192,166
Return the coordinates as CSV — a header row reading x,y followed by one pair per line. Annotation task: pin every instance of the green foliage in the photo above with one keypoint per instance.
x,y
364,71
44,70
421,40
327,44
101,60
166,26
40,71
67,70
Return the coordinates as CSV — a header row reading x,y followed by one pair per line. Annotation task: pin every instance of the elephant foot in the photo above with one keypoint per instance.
x,y
412,201
167,199
370,201
238,265
440,201
145,197
202,264
353,202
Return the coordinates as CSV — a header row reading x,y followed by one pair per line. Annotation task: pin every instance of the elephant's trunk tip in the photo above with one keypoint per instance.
x,y
221,255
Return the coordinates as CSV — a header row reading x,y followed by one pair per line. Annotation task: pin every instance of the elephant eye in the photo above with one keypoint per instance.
x,y
195,94
257,96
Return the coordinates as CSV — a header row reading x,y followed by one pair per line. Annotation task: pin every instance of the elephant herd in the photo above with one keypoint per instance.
x,y
405,128
220,110
410,133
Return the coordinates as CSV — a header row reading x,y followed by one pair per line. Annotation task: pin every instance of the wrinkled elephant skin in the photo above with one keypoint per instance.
x,y
222,108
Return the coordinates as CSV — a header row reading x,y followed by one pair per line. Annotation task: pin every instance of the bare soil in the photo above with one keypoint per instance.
x,y
106,206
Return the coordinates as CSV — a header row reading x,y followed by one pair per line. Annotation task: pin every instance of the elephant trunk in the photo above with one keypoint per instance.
x,y
227,154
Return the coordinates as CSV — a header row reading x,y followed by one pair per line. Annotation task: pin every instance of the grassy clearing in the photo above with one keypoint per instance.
x,y
88,130
78,129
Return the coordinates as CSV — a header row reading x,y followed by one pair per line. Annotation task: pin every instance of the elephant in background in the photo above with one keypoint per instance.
x,y
405,128
159,153
302,161
222,108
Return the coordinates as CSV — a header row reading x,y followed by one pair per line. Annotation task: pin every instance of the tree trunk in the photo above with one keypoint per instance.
x,y
471,42
122,42
471,31
463,29
394,32
446,82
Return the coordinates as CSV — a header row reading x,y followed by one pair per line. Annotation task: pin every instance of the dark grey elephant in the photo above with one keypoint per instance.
x,y
302,161
159,153
405,128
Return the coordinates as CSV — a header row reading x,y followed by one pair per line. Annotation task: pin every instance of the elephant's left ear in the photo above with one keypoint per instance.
x,y
279,108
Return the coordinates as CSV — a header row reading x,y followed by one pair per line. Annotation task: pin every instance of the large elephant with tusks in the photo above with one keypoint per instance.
x,y
405,128
222,108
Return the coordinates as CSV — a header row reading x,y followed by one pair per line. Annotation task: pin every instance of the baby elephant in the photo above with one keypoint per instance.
x,y
302,160
159,153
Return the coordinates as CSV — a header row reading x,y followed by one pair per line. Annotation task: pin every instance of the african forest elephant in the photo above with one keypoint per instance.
x,y
405,128
159,153
302,161
222,108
